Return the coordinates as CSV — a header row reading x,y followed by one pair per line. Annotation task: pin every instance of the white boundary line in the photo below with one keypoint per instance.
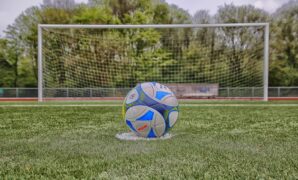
x,y
239,105
119,105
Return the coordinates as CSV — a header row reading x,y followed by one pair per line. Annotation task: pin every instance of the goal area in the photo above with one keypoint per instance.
x,y
194,60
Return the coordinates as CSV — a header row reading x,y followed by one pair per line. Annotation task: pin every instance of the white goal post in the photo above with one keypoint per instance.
x,y
265,41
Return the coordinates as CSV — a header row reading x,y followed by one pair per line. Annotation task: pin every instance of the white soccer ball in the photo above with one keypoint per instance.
x,y
150,97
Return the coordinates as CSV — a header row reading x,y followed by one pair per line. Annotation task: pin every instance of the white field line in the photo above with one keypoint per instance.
x,y
61,105
237,105
118,105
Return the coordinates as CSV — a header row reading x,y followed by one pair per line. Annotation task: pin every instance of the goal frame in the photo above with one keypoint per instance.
x,y
129,26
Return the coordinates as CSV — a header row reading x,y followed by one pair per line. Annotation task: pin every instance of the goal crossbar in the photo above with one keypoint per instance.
x,y
131,26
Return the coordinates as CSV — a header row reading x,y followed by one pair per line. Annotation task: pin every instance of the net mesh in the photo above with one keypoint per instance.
x,y
108,62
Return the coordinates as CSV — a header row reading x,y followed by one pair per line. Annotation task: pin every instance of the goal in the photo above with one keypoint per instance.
x,y
95,61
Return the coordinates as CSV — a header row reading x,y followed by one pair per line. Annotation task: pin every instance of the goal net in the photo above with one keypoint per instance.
x,y
93,61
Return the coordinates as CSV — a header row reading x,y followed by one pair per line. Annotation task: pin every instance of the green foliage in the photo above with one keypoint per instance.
x,y
7,75
20,56
22,46
240,14
161,14
93,15
284,45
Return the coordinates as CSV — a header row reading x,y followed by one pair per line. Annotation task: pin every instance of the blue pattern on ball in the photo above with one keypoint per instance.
x,y
130,125
146,117
161,94
151,134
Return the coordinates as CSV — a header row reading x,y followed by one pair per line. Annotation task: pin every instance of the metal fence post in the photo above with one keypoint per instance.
x,y
114,92
278,91
67,92
17,92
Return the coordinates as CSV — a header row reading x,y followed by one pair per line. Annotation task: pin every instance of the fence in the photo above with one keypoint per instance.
x,y
121,92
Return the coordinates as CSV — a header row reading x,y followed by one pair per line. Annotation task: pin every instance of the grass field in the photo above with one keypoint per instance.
x,y
230,140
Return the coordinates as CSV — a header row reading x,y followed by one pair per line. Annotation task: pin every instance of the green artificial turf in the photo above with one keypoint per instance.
x,y
209,142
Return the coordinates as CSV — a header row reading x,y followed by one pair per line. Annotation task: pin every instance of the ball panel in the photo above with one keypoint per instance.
x,y
158,125
158,119
148,89
160,129
173,116
134,112
132,96
170,101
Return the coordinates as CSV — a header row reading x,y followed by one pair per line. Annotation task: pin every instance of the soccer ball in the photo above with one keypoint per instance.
x,y
150,109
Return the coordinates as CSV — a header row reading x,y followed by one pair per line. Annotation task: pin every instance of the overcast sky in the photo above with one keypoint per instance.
x,y
10,9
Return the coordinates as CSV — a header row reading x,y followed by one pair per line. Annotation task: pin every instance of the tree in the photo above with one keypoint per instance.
x,y
204,36
202,17
239,40
6,69
289,6
22,40
284,47
94,15
14,50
